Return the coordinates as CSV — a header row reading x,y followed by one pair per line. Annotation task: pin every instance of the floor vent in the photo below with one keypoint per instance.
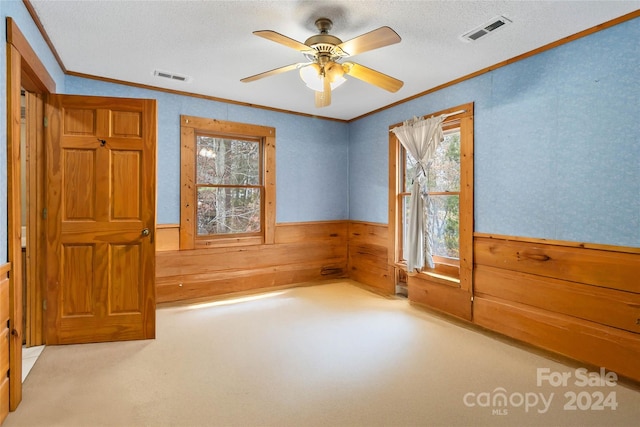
x,y
331,271
487,28
171,76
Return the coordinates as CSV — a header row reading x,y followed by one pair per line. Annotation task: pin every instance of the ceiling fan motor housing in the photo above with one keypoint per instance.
x,y
324,51
325,45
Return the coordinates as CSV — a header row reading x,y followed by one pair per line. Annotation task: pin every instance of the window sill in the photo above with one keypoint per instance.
x,y
438,278
434,276
228,242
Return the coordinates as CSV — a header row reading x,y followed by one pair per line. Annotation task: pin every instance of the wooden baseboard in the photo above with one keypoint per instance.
x,y
241,294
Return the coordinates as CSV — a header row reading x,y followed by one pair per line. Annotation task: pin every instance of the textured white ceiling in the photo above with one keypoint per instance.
x,y
212,42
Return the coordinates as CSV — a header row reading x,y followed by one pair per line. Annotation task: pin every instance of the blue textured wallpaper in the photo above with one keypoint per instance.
x,y
311,154
557,143
18,12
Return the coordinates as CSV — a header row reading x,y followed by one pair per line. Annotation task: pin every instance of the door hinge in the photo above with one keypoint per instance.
x,y
46,122
44,304
44,213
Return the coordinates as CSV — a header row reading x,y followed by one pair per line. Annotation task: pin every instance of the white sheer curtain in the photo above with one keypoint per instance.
x,y
420,137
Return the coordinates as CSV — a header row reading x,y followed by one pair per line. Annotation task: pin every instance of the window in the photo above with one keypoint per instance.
x,y
449,207
227,183
228,186
443,203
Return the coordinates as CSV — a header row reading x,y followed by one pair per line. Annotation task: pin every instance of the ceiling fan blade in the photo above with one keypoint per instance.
x,y
383,36
274,71
283,40
323,99
373,77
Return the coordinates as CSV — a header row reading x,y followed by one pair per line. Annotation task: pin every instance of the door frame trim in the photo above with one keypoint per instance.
x,y
24,70
35,222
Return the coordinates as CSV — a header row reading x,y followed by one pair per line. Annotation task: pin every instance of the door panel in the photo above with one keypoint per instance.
x,y
126,167
101,219
79,184
77,275
124,295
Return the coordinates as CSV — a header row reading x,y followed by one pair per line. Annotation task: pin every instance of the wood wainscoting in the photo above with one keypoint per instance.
x,y
302,252
368,255
440,294
4,340
578,300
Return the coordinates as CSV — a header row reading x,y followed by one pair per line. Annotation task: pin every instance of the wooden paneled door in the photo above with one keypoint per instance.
x,y
101,194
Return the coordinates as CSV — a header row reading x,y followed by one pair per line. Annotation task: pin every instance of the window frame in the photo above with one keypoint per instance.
x,y
447,271
190,128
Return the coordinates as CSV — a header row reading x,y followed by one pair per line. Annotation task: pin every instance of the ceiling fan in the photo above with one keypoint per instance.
x,y
323,72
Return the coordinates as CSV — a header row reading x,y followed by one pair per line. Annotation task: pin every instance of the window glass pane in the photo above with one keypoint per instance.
x,y
444,224
227,161
444,171
228,210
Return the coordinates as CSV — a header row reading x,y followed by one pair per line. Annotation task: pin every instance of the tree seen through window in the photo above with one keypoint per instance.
x,y
229,186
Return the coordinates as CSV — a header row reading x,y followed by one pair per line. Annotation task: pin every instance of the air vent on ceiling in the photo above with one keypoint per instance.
x,y
171,76
484,29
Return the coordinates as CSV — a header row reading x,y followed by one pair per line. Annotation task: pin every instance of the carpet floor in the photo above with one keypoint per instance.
x,y
326,355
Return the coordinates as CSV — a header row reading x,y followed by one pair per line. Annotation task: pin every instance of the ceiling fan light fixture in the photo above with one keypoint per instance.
x,y
312,77
335,72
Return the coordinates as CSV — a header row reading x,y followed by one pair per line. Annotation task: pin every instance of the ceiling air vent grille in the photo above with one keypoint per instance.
x,y
171,76
486,28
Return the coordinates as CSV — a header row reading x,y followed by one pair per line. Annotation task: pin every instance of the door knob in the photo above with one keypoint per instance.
x,y
145,232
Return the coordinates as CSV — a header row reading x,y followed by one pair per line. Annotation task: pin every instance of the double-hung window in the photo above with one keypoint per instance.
x,y
448,194
227,179
228,185
442,191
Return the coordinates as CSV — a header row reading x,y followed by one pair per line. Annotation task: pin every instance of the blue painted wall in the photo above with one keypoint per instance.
x,y
18,12
311,154
557,143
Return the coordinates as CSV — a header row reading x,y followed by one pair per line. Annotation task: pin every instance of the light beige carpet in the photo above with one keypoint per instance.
x,y
327,355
